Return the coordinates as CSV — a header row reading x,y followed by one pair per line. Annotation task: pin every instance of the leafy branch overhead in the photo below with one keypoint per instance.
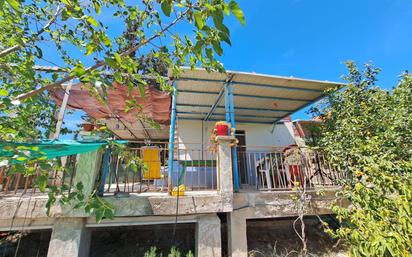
x,y
146,31
98,42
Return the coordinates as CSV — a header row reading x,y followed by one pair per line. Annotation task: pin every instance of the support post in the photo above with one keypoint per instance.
x,y
224,160
208,236
60,116
171,140
227,103
70,238
237,234
59,124
233,123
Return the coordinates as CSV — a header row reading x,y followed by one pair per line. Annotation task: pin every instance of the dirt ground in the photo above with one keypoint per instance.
x,y
276,237
134,241
26,244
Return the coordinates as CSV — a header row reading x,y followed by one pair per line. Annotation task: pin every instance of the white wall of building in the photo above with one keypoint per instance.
x,y
192,135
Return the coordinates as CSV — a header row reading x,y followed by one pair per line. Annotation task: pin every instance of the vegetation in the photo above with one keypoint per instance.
x,y
96,42
367,132
88,48
174,252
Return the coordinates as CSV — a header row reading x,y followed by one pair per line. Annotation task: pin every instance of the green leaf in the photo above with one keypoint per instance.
x,y
89,49
99,215
199,21
218,49
109,213
79,186
134,167
14,4
3,92
111,62
105,39
118,58
235,9
141,88
21,159
226,9
42,183
39,52
197,49
118,77
224,37
92,21
96,6
217,18
166,7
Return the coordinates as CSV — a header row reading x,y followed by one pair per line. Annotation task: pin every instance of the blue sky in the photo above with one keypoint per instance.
x,y
312,38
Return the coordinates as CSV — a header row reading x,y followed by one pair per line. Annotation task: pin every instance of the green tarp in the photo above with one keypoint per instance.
x,y
50,148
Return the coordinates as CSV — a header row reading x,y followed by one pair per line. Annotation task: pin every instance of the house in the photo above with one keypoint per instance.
x,y
240,176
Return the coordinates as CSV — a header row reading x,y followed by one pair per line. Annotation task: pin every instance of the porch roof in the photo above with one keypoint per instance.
x,y
258,98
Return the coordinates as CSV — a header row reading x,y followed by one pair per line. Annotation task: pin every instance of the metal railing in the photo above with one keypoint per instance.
x,y
260,168
272,169
20,183
195,168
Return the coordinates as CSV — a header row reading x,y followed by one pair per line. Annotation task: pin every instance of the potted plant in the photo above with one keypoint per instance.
x,y
87,124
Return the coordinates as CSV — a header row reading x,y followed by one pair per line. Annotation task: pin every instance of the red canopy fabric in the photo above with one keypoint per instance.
x,y
155,103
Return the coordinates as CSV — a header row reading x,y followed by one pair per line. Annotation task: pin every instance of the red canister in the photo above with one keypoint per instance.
x,y
222,129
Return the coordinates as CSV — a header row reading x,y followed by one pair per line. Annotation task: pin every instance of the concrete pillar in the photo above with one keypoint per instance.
x,y
87,170
70,238
224,160
237,235
208,237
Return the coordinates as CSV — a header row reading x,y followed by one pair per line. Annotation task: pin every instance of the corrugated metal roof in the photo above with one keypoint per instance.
x,y
258,97
136,130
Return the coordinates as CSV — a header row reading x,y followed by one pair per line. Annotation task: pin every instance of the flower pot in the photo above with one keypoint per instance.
x,y
222,130
87,127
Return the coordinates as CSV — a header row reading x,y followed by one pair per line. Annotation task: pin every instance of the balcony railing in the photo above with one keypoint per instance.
x,y
18,184
195,168
264,168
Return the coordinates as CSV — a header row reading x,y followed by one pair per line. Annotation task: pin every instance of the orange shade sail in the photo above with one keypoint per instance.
x,y
155,103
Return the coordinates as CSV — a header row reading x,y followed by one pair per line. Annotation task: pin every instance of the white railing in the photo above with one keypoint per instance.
x,y
278,169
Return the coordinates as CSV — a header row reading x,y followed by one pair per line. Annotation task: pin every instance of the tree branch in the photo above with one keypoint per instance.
x,y
45,27
101,63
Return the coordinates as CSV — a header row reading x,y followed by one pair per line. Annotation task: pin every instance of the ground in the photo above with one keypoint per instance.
x,y
276,238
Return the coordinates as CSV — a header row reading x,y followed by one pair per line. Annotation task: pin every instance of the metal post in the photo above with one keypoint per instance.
x,y
233,123
227,103
60,116
171,140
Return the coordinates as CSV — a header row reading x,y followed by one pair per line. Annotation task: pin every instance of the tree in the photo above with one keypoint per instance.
x,y
78,34
367,132
148,39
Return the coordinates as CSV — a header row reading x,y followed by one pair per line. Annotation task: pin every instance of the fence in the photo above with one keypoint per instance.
x,y
259,168
195,168
24,183
278,169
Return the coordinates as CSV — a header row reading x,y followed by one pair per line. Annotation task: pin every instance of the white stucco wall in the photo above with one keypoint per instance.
x,y
189,135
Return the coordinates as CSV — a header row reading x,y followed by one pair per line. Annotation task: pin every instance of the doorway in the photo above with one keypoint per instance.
x,y
241,156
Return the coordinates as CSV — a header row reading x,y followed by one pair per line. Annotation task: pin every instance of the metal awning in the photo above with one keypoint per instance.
x,y
258,98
